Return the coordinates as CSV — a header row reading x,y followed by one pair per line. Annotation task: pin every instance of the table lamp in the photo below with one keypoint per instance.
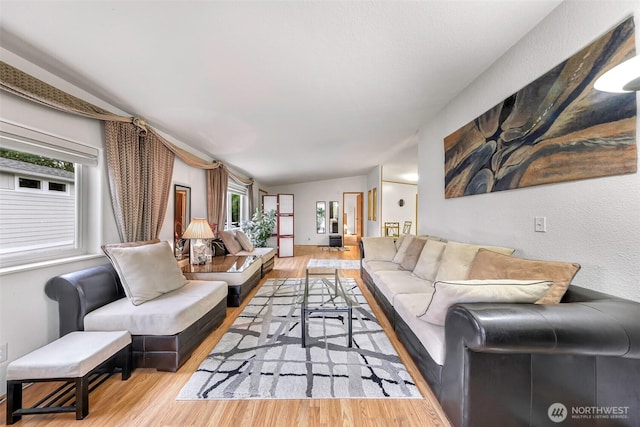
x,y
197,230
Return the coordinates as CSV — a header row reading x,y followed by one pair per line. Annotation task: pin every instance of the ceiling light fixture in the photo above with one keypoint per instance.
x,y
622,78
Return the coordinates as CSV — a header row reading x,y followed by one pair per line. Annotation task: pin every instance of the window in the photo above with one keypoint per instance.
x,y
28,183
58,186
237,206
41,202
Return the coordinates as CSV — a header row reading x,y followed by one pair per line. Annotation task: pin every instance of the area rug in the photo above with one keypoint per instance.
x,y
344,264
334,248
261,356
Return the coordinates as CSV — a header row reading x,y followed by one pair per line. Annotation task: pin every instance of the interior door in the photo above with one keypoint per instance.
x,y
352,203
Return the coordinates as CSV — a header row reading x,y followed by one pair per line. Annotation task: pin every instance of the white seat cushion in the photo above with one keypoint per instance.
x,y
392,283
265,253
72,356
168,314
408,307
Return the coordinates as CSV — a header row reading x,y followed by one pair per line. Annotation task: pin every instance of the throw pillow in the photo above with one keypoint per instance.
x,y
379,248
146,271
400,240
412,253
244,241
457,258
449,293
402,248
429,260
230,241
489,264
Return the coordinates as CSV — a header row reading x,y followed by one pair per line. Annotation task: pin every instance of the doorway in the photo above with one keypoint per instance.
x,y
352,217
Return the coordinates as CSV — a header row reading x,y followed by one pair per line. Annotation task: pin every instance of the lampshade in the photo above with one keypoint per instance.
x,y
198,229
622,78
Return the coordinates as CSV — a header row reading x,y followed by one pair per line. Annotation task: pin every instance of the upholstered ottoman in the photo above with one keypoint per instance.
x,y
72,359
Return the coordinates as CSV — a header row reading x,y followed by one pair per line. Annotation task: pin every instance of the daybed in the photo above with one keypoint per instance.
x,y
498,363
145,294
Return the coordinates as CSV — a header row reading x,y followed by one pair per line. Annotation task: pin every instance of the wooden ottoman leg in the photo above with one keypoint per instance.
x,y
82,397
14,401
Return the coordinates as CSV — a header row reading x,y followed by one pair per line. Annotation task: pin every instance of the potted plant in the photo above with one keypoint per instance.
x,y
260,227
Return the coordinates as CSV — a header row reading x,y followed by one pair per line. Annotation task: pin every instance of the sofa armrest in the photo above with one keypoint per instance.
x,y
598,328
81,292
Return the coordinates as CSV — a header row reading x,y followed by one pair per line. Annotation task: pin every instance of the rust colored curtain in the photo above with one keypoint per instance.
x,y
217,182
140,169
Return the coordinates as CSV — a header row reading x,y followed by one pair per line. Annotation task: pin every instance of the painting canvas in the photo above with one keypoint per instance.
x,y
558,128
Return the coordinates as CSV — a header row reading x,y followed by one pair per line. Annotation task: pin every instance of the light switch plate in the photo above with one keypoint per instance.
x,y
540,224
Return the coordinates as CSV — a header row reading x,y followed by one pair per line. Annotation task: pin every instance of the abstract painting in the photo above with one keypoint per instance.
x,y
558,128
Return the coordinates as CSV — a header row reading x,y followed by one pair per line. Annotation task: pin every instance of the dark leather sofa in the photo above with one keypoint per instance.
x,y
506,364
80,292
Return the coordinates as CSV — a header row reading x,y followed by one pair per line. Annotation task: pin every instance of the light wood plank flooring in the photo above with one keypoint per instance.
x,y
148,397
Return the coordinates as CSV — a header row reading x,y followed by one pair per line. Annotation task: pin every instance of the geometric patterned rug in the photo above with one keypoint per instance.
x,y
261,356
343,264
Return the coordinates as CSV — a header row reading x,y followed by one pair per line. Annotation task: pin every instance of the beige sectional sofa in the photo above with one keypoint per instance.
x,y
500,338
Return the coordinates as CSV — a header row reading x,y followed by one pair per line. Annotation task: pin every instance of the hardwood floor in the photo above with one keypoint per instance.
x,y
148,397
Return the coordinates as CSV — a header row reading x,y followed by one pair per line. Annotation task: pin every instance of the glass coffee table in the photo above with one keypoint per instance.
x,y
324,293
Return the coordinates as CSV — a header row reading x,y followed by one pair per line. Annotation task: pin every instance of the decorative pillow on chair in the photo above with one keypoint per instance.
x,y
449,293
230,241
244,241
146,269
490,265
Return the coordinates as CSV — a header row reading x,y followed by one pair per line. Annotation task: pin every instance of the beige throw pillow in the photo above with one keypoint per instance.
x,y
244,241
379,248
146,271
230,241
412,254
402,248
490,265
449,293
457,258
429,260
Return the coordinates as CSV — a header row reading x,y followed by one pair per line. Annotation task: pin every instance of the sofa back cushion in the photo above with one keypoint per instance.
x,y
457,258
490,265
448,293
429,260
379,248
146,270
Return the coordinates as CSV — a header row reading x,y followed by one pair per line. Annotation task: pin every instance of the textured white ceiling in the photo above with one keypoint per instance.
x,y
282,91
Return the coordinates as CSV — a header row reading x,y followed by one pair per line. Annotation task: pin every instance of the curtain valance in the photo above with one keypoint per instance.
x,y
19,83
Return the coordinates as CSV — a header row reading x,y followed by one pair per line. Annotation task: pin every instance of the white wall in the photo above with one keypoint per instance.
x,y
392,192
306,195
593,222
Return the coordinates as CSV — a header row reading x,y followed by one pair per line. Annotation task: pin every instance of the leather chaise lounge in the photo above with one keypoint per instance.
x,y
86,292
